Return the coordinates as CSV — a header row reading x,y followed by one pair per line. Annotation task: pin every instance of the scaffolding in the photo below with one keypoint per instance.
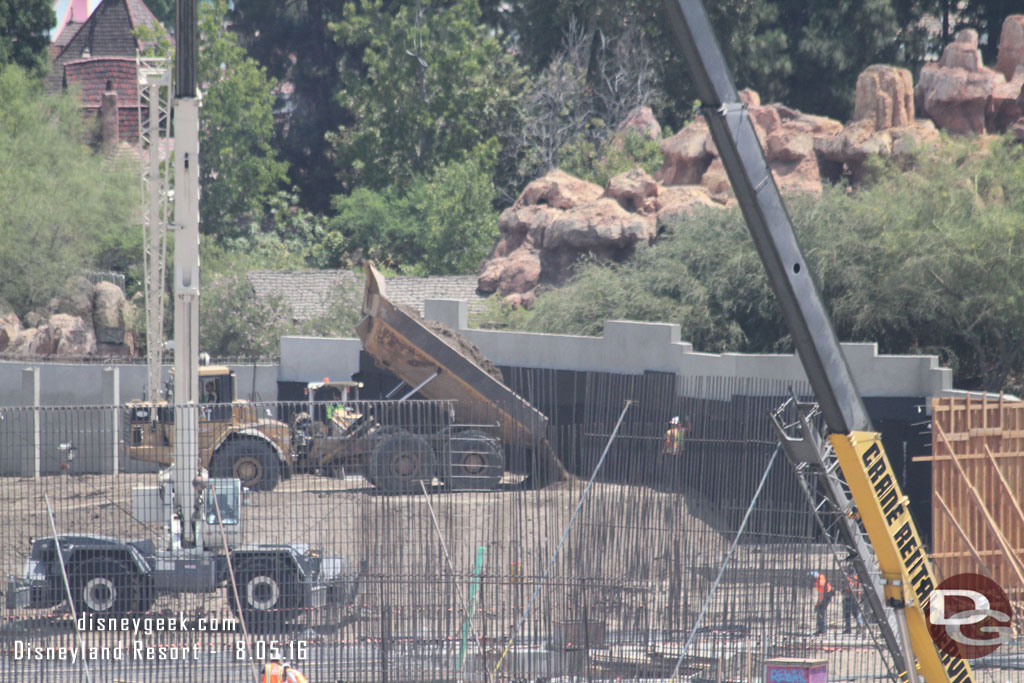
x,y
154,90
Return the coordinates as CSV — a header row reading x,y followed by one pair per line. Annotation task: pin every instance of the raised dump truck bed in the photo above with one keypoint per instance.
x,y
403,344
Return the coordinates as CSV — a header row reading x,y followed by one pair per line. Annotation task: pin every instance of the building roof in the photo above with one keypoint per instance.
x,y
310,293
64,37
90,76
108,32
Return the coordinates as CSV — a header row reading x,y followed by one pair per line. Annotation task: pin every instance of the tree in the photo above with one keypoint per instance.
x,y
24,32
440,224
164,10
63,209
748,31
436,84
239,167
832,42
235,323
293,41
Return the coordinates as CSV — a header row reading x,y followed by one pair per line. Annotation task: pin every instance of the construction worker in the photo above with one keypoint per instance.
x,y
825,593
851,600
674,437
278,671
334,403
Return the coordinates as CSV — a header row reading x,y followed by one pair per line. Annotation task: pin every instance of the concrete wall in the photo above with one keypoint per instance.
x,y
71,384
626,347
309,359
629,347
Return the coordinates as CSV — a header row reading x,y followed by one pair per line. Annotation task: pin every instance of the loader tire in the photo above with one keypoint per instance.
x,y
252,461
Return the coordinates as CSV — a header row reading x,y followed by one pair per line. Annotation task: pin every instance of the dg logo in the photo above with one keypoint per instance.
x,y
969,616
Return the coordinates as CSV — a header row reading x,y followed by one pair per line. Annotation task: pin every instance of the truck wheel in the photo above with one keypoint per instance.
x,y
104,586
401,461
268,590
473,461
252,461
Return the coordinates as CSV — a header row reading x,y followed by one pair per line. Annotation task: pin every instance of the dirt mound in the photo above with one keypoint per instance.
x,y
457,342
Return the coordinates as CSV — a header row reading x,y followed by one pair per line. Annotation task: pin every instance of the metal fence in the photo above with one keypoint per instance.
x,y
380,541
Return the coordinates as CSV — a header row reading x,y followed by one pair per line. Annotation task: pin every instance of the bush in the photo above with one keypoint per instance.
x,y
235,323
64,209
443,223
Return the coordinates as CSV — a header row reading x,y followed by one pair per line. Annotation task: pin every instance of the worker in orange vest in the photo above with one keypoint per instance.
x,y
277,671
825,593
851,600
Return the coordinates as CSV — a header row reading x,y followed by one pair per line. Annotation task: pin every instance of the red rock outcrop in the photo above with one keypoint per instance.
x,y
1011,46
72,323
559,218
885,95
962,95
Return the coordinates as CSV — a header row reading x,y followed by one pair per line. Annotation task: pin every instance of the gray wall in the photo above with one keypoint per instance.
x,y
628,347
71,384
30,439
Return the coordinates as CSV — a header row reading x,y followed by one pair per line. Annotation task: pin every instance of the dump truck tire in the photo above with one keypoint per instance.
x,y
472,460
252,461
401,461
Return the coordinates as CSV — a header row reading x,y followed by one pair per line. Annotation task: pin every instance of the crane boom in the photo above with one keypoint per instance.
x,y
907,575
186,258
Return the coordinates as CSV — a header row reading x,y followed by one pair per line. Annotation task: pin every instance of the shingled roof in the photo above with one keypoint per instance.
x,y
108,32
310,293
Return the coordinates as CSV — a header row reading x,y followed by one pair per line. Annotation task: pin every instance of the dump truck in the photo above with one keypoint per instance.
x,y
110,577
235,438
467,450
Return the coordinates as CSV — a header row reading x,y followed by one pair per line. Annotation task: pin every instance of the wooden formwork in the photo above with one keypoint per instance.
x,y
977,486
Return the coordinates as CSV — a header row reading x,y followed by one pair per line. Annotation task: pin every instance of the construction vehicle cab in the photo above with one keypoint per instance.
x,y
235,437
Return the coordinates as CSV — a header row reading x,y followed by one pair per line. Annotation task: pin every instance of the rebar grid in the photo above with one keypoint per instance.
x,y
428,582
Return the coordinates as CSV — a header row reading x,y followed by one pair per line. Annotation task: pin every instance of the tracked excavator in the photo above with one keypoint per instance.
x,y
877,527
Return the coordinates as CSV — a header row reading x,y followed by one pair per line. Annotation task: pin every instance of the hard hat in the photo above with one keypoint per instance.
x,y
674,420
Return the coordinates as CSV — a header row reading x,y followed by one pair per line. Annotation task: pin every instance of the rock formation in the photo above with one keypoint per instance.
x,y
86,321
558,218
962,95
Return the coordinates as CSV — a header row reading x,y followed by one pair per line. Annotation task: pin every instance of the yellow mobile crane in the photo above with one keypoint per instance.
x,y
906,576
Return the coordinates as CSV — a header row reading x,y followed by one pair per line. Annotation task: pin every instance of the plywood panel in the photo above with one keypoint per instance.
x,y
979,443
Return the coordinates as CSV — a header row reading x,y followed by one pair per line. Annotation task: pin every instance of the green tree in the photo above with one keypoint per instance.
x,y
748,31
436,84
24,32
293,42
832,42
441,223
240,169
164,10
235,323
62,208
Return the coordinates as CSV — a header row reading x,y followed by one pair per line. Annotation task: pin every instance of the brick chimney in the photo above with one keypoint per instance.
x,y
109,136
